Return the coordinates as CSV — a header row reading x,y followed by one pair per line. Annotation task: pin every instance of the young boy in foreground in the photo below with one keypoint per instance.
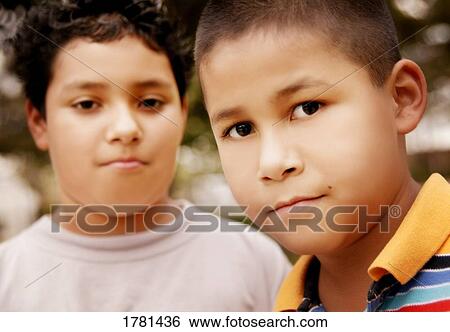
x,y
105,83
310,102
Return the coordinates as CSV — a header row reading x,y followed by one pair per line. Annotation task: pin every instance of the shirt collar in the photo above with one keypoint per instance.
x,y
291,292
425,228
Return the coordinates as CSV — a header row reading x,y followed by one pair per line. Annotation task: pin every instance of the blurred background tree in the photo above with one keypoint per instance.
x,y
27,184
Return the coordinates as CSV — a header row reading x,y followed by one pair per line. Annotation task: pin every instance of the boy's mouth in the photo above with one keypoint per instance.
x,y
285,206
125,163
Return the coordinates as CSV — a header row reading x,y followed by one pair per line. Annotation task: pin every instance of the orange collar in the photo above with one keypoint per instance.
x,y
425,228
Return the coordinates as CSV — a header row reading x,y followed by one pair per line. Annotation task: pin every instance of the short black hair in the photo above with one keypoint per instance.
x,y
54,23
363,30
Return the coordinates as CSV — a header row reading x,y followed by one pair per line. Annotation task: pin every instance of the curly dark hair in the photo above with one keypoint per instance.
x,y
53,24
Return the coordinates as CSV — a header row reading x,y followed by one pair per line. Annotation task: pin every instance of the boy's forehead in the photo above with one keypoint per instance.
x,y
82,61
272,39
266,53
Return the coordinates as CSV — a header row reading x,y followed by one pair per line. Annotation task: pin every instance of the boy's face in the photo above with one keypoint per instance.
x,y
289,126
105,144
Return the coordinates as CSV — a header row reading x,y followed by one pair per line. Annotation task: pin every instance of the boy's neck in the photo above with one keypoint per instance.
x,y
344,281
126,224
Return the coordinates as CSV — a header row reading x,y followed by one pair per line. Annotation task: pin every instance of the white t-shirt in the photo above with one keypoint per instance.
x,y
149,271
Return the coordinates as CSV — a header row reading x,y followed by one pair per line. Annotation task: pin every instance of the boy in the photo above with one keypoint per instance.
x,y
310,103
105,83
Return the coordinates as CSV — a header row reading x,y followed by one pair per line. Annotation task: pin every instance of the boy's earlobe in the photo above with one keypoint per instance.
x,y
37,126
409,91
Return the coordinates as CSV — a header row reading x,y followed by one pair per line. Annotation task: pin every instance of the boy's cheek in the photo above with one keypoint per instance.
x,y
250,196
240,166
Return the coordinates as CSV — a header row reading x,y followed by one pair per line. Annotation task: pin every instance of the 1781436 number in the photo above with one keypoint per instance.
x,y
152,321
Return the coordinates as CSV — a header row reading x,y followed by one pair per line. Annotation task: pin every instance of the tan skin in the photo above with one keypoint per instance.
x,y
95,116
284,129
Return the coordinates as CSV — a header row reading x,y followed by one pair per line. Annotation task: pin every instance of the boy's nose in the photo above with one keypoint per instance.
x,y
278,161
124,127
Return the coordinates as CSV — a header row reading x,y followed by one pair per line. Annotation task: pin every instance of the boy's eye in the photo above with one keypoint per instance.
x,y
240,130
306,109
151,103
86,104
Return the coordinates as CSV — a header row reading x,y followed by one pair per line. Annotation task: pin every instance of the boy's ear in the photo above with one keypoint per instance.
x,y
185,108
37,126
185,104
409,91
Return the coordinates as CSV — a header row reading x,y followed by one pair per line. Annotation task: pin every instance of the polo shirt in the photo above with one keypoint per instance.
x,y
411,273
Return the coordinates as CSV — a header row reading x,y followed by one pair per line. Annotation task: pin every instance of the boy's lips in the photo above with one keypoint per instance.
x,y
295,201
125,163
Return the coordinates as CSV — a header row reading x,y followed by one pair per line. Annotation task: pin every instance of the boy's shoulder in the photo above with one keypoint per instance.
x,y
9,248
14,249
17,258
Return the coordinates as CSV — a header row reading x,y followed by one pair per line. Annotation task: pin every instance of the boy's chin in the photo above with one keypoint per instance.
x,y
120,199
308,242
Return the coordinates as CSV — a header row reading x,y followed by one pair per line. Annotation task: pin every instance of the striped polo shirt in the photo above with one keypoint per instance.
x,y
411,273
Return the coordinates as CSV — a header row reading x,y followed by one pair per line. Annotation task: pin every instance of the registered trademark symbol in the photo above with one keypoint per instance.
x,y
395,211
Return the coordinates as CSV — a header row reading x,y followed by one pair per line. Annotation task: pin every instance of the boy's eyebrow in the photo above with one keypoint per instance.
x,y
226,114
152,83
84,85
301,84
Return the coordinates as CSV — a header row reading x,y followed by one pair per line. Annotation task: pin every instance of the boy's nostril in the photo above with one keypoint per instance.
x,y
289,170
